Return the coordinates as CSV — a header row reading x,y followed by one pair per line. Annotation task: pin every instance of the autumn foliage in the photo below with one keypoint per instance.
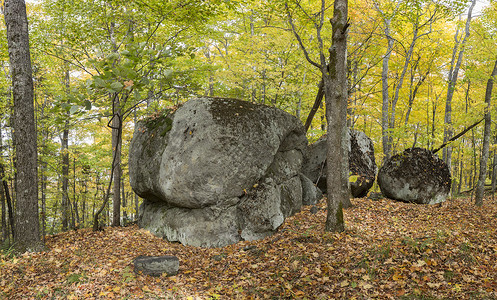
x,y
390,250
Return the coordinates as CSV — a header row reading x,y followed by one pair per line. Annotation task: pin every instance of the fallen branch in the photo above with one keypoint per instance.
x,y
456,136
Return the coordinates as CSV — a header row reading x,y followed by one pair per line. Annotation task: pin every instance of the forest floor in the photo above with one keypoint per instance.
x,y
390,250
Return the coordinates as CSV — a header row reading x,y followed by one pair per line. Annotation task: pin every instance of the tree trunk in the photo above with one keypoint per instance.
x,y
123,201
494,167
27,227
75,200
65,175
315,107
43,187
453,73
335,87
8,199
116,149
385,121
5,231
480,187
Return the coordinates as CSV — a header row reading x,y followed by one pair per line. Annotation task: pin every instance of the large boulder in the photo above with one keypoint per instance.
x,y
362,165
415,176
217,171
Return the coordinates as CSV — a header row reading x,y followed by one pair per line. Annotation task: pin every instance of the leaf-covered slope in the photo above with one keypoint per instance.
x,y
389,250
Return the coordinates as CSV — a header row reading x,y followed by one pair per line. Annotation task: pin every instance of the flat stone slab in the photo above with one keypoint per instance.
x,y
156,265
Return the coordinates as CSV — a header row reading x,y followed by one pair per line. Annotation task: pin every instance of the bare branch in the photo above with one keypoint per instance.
x,y
299,39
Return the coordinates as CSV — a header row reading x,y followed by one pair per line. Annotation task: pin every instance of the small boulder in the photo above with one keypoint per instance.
x,y
156,265
415,176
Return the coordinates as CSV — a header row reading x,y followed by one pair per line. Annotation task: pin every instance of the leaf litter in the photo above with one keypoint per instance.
x,y
390,250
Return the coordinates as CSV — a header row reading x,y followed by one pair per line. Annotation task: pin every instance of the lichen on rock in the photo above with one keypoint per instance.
x,y
217,152
417,176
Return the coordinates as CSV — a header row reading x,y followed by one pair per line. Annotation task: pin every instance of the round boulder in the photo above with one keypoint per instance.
x,y
415,176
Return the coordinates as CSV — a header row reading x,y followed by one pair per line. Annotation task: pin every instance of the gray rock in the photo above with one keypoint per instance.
x,y
201,227
211,161
156,265
415,176
310,193
361,163
314,166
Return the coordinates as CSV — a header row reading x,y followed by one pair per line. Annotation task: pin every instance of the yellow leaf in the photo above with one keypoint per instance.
x,y
146,289
344,283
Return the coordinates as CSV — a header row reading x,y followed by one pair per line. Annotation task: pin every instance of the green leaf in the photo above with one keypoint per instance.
x,y
137,95
98,82
116,86
73,109
87,104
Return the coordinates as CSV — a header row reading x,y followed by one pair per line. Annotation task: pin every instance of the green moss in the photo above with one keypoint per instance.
x,y
160,120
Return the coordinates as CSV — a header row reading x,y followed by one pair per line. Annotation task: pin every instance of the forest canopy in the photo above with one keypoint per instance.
x,y
100,66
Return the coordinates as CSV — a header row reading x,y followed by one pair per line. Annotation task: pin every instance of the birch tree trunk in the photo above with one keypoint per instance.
x,y
27,227
480,187
385,113
453,73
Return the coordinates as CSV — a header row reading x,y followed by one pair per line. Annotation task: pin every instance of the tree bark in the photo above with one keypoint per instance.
x,y
8,199
385,113
494,167
335,87
5,232
65,175
480,187
116,148
315,107
27,227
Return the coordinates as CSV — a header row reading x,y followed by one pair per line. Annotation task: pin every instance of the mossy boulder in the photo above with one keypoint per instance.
x,y
222,171
416,176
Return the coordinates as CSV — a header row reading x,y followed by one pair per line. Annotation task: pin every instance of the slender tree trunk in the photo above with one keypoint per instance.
x,y
43,187
395,99
5,231
116,147
385,106
453,73
315,107
8,199
124,202
27,227
335,86
385,113
75,200
494,167
480,188
65,176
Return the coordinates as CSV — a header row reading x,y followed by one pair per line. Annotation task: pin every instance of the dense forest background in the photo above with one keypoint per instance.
x,y
418,73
